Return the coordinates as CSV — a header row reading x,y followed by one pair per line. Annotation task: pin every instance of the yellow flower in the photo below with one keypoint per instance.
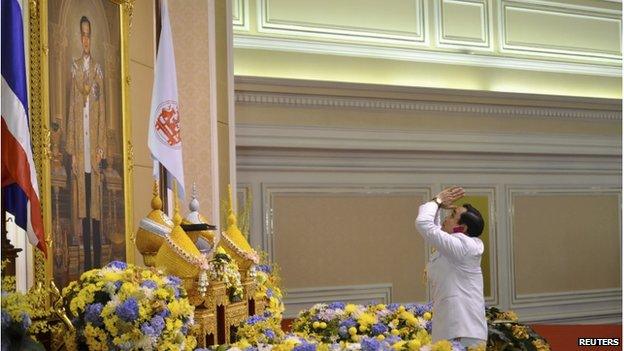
x,y
316,325
427,315
442,345
398,345
363,328
380,337
350,308
395,332
352,331
355,338
413,345
478,347
401,308
323,325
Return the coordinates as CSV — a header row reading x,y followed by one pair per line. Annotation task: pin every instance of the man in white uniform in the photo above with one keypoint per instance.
x,y
455,268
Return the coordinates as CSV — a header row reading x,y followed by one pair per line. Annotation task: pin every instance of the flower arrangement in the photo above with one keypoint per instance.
x,y
505,333
262,329
123,307
224,268
268,284
401,326
22,315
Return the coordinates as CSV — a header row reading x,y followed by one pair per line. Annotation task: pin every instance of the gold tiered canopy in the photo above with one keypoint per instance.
x,y
179,255
153,229
234,242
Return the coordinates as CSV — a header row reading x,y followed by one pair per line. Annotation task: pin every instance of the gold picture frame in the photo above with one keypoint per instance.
x,y
45,133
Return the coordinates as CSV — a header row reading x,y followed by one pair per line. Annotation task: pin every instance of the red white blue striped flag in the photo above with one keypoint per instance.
x,y
20,190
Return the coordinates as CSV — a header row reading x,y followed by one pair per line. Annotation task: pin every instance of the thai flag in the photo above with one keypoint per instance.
x,y
20,190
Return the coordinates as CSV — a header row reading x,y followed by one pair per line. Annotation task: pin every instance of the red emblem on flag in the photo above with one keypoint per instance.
x,y
168,123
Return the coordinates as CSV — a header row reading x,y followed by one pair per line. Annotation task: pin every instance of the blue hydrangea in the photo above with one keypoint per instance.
x,y
25,321
371,344
348,323
148,329
264,268
117,265
269,293
269,334
305,346
457,346
184,329
392,339
93,314
379,328
118,285
6,319
174,280
158,323
150,284
201,349
251,348
343,331
128,310
337,305
255,319
393,307
428,327
164,313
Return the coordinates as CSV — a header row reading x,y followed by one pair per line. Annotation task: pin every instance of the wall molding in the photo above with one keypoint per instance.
x,y
549,299
599,67
240,20
432,141
316,30
562,9
502,111
269,190
304,298
464,42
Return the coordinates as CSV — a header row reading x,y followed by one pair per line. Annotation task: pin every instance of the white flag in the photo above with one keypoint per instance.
x,y
164,140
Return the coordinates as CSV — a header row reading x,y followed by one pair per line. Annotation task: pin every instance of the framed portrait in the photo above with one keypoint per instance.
x,y
81,124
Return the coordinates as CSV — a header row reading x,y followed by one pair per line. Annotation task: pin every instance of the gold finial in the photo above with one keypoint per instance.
x,y
231,219
177,219
156,200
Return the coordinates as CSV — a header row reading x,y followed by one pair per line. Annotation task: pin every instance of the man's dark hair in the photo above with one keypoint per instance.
x,y
84,19
473,220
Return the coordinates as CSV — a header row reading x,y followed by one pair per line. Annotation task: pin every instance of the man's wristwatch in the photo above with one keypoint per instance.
x,y
437,201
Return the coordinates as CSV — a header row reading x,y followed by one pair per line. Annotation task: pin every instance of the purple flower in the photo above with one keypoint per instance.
x,y
93,314
164,313
174,280
264,268
147,329
348,323
269,334
251,348
117,265
269,293
6,319
150,284
118,285
25,321
392,339
379,329
157,323
393,307
457,346
371,344
343,331
201,349
128,310
305,346
337,305
428,327
255,319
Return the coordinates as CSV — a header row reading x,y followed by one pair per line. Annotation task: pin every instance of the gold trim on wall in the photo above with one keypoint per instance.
x,y
40,125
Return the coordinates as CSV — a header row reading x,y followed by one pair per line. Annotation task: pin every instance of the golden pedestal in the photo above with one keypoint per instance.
x,y
235,314
205,328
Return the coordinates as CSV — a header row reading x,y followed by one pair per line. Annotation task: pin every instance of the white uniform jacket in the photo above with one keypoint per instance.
x,y
457,282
